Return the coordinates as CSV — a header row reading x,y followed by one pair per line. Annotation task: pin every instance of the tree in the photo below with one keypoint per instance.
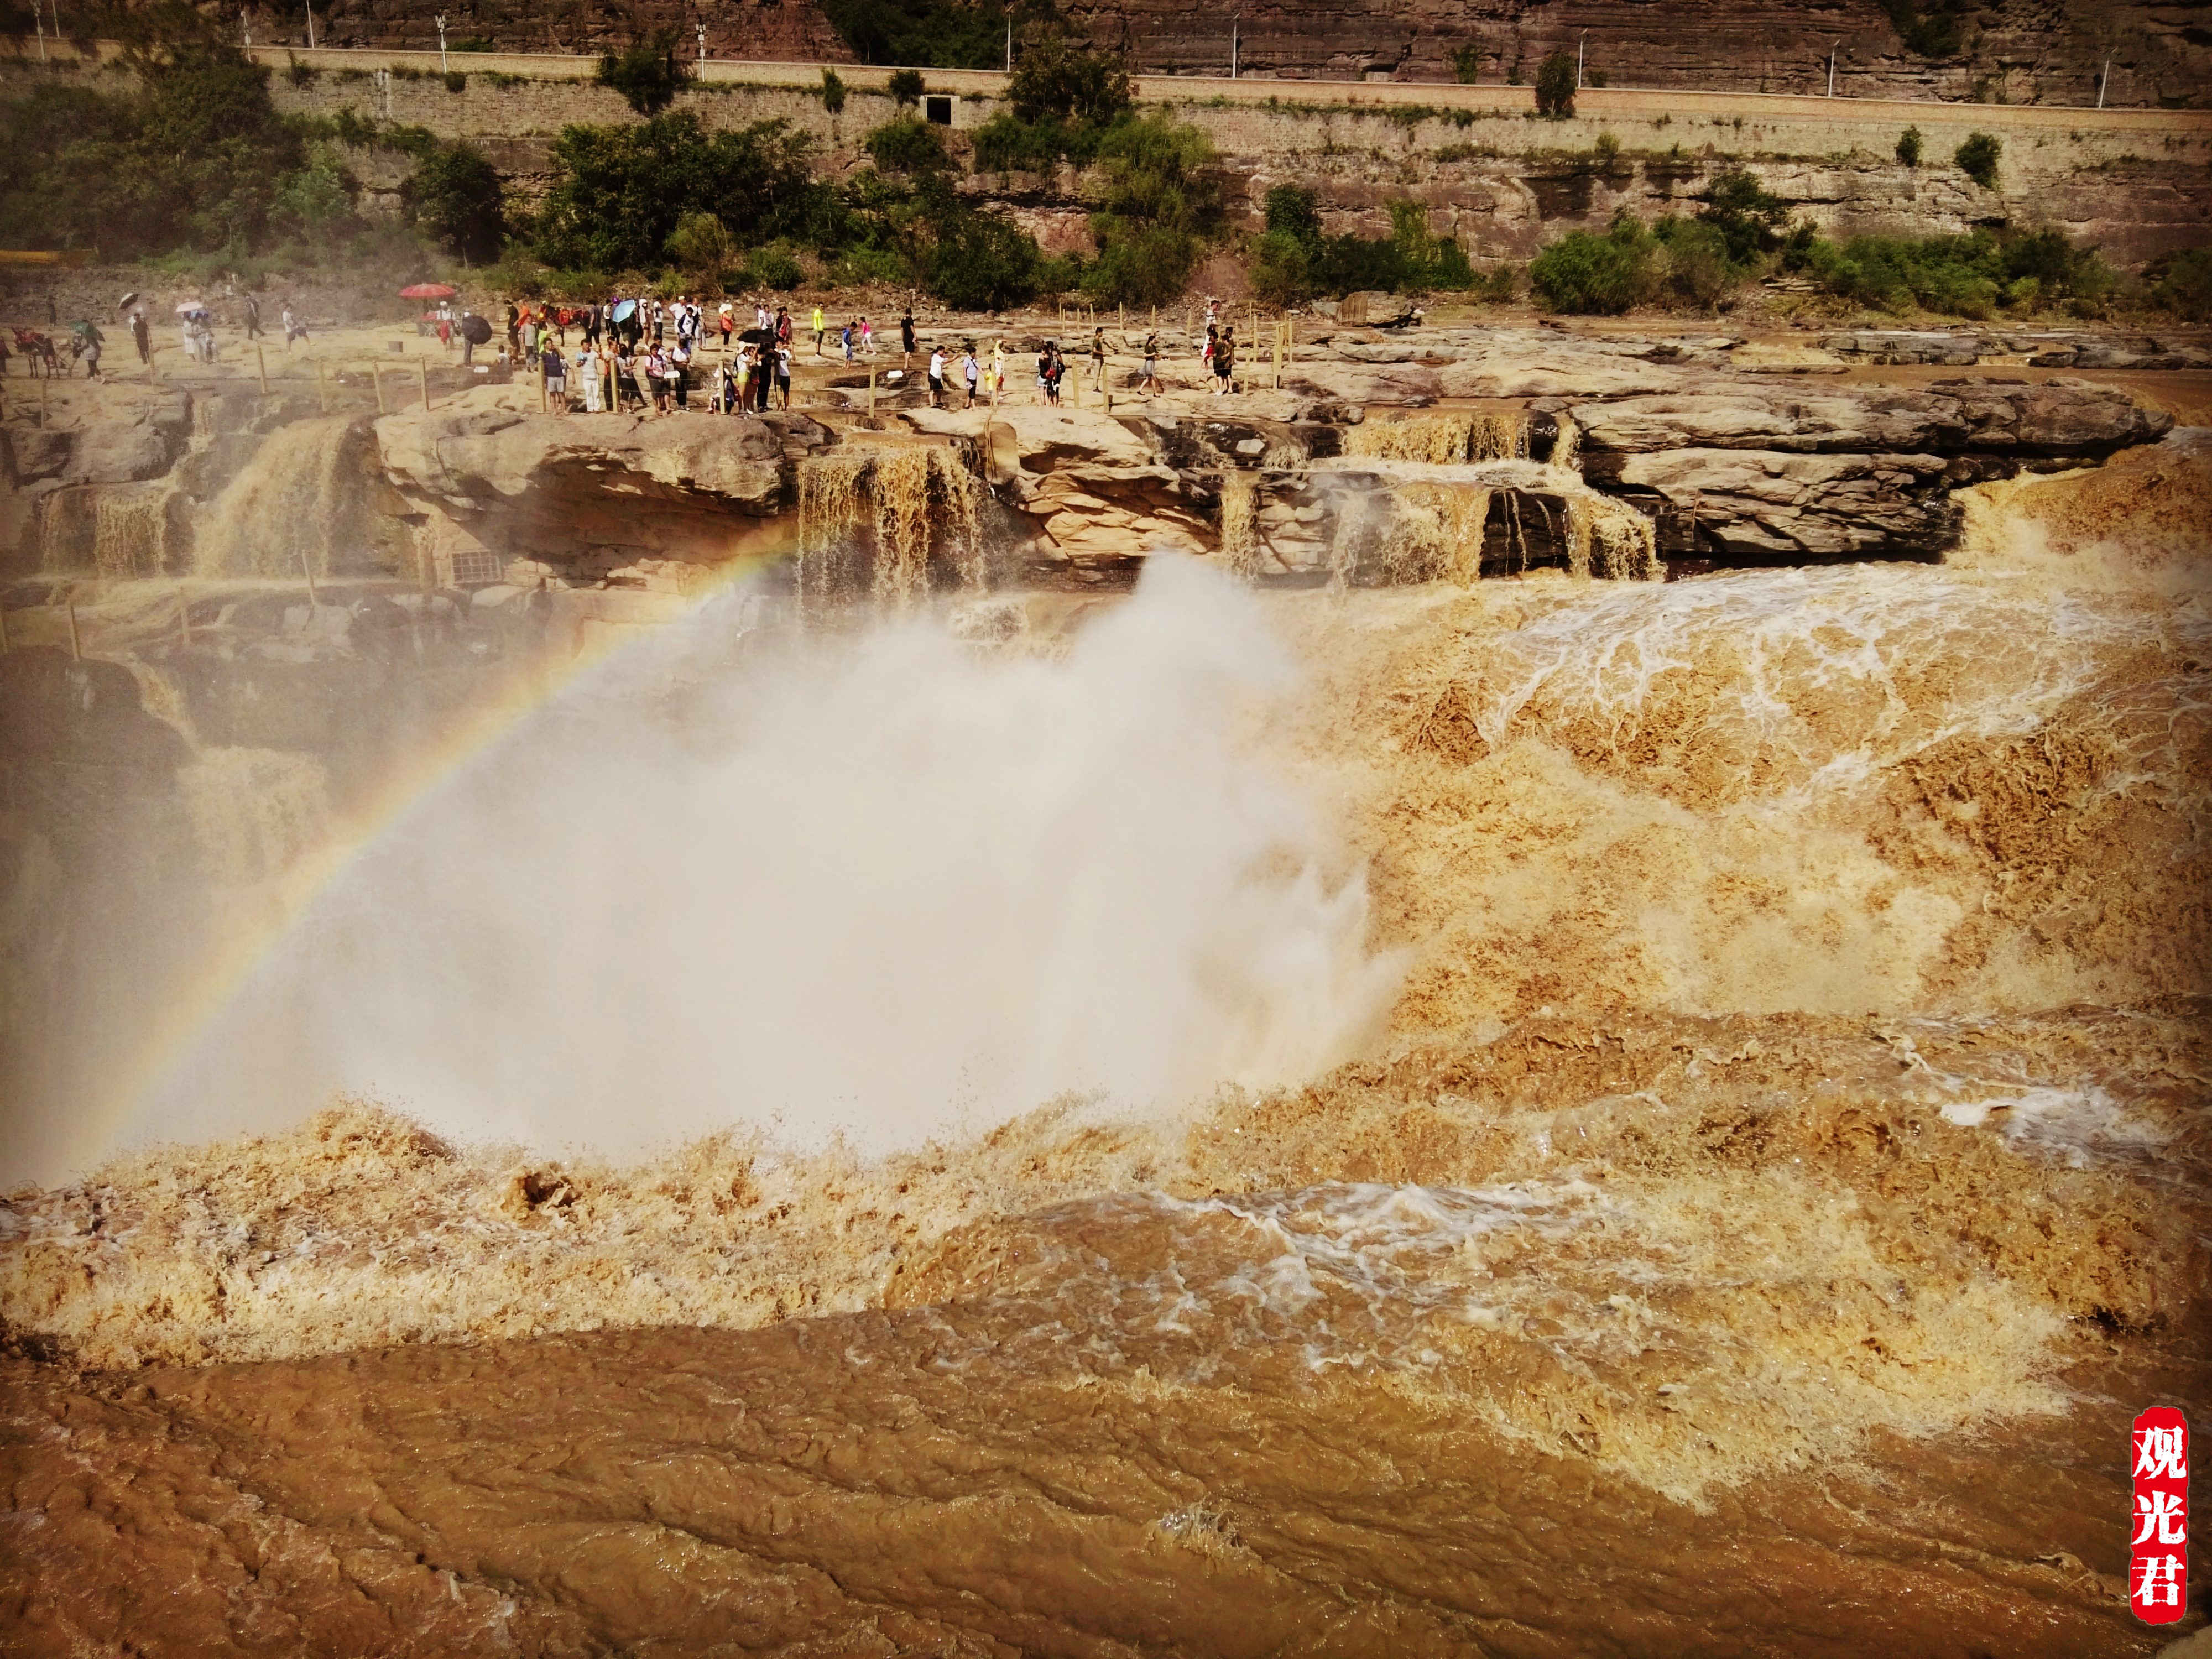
x,y
454,195
646,72
701,243
833,91
906,145
1160,204
1291,211
1555,85
1748,218
1978,159
905,87
1908,147
982,262
1467,62
1057,80
618,192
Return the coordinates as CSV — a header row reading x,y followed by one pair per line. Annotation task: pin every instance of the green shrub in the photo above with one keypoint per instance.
x,y
2182,283
1452,272
983,262
905,86
317,196
1747,216
907,144
301,74
1555,85
1502,286
1055,80
1290,210
1605,152
1467,62
646,72
1908,147
456,81
1698,266
1978,159
1160,204
775,267
1970,276
833,91
701,243
1587,274
1281,273
618,192
454,195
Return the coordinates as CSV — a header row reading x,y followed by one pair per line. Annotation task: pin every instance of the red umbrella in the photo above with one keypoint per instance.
x,y
428,291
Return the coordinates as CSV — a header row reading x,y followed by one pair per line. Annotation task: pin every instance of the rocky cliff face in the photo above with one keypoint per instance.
x,y
2013,51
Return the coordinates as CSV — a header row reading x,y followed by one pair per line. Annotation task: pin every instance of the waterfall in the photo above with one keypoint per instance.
x,y
1567,447
1444,437
1240,523
911,499
302,500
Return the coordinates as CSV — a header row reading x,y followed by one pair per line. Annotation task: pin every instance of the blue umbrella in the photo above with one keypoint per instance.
x,y
623,309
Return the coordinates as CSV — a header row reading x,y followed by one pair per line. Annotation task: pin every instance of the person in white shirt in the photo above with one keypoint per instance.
x,y
970,371
936,375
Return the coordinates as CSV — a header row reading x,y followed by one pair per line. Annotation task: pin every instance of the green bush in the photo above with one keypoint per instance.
x,y
1698,266
833,91
1281,271
775,267
1160,204
2182,283
1054,80
983,262
646,72
1502,286
1555,85
454,195
1290,210
1006,143
456,81
1748,219
1908,147
907,145
618,192
701,243
1935,32
1970,276
1978,159
1585,274
1467,62
905,86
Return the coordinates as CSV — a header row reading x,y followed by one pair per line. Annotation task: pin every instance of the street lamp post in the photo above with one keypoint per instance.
x,y
441,43
311,25
701,30
1582,41
2106,79
1235,31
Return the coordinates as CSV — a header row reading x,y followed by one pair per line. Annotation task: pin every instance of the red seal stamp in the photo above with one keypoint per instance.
x,y
2158,1561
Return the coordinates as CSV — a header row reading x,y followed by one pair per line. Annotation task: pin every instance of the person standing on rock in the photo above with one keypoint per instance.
x,y
1225,362
1098,358
252,317
141,335
86,345
936,376
1151,380
556,379
971,372
783,368
295,327
998,368
906,333
819,330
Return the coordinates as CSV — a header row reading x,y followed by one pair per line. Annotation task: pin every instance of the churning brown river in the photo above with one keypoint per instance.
x,y
1717,1156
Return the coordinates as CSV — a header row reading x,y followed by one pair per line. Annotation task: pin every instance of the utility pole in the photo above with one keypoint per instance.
x,y
1582,41
38,18
1010,43
441,43
2105,82
245,29
1831,71
311,25
701,29
1236,27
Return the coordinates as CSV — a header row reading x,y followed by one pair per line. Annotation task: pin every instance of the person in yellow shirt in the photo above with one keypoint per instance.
x,y
820,328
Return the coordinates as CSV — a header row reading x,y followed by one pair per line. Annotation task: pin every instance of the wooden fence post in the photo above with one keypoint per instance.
x,y
424,365
261,361
322,389
376,380
77,646
307,569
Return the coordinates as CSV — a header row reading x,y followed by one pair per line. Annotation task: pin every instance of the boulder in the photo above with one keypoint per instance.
x,y
1911,346
1564,371
1375,309
2013,417
1761,505
1359,383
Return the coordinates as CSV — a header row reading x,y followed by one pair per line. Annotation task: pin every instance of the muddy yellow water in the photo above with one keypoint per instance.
x,y
1779,1174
